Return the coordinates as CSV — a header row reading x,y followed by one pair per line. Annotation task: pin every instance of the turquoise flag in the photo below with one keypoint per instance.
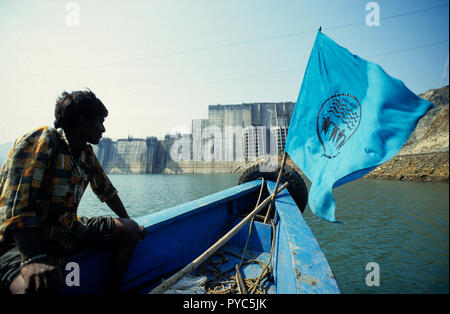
x,y
349,118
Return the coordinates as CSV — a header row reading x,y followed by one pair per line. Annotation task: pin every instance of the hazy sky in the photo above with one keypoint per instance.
x,y
158,64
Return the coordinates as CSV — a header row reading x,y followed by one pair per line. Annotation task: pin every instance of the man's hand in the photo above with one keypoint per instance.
x,y
40,277
142,233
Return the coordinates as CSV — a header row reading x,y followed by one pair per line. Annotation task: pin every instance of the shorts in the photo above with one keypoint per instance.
x,y
99,234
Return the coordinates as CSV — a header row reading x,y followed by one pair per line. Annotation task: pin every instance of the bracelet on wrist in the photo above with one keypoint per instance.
x,y
32,259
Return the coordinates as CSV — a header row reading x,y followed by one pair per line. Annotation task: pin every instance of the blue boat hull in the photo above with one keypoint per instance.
x,y
178,235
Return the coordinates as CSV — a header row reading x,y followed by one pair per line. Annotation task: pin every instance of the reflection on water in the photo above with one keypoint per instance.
x,y
402,226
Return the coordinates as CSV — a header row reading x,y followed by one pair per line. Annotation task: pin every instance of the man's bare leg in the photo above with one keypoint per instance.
x,y
126,236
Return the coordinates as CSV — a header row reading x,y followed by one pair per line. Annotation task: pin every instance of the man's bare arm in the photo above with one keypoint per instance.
x,y
117,207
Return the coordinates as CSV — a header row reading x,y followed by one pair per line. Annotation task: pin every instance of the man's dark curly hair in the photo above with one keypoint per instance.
x,y
71,106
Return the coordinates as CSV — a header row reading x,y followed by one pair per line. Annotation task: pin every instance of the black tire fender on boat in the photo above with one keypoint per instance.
x,y
296,187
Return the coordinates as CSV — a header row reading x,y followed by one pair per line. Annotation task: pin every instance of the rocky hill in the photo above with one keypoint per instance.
x,y
425,156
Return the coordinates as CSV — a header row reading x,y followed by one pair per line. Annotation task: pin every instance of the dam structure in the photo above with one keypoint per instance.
x,y
231,136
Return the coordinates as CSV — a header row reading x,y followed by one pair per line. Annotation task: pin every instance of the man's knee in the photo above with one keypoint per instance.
x,y
125,228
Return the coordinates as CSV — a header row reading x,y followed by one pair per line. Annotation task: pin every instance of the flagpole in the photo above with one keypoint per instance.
x,y
276,185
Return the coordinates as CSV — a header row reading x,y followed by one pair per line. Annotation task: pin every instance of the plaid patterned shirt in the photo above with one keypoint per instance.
x,y
41,186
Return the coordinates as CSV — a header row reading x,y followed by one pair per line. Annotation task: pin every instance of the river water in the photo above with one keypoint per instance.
x,y
400,226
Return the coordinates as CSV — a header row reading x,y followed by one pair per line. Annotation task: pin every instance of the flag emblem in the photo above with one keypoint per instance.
x,y
337,121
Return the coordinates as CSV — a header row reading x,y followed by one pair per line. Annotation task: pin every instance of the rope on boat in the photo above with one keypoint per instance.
x,y
251,222
224,283
276,185
214,248
234,284
242,287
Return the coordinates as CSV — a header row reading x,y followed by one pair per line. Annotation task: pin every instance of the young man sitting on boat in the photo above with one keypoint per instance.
x,y
41,185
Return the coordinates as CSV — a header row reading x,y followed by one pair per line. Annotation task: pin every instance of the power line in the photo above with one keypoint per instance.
x,y
390,17
231,79
408,49
219,46
278,72
245,42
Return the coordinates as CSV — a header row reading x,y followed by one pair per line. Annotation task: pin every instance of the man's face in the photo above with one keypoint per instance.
x,y
92,129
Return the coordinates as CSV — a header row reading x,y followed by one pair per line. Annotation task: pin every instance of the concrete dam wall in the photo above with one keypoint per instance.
x,y
231,136
141,156
134,155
